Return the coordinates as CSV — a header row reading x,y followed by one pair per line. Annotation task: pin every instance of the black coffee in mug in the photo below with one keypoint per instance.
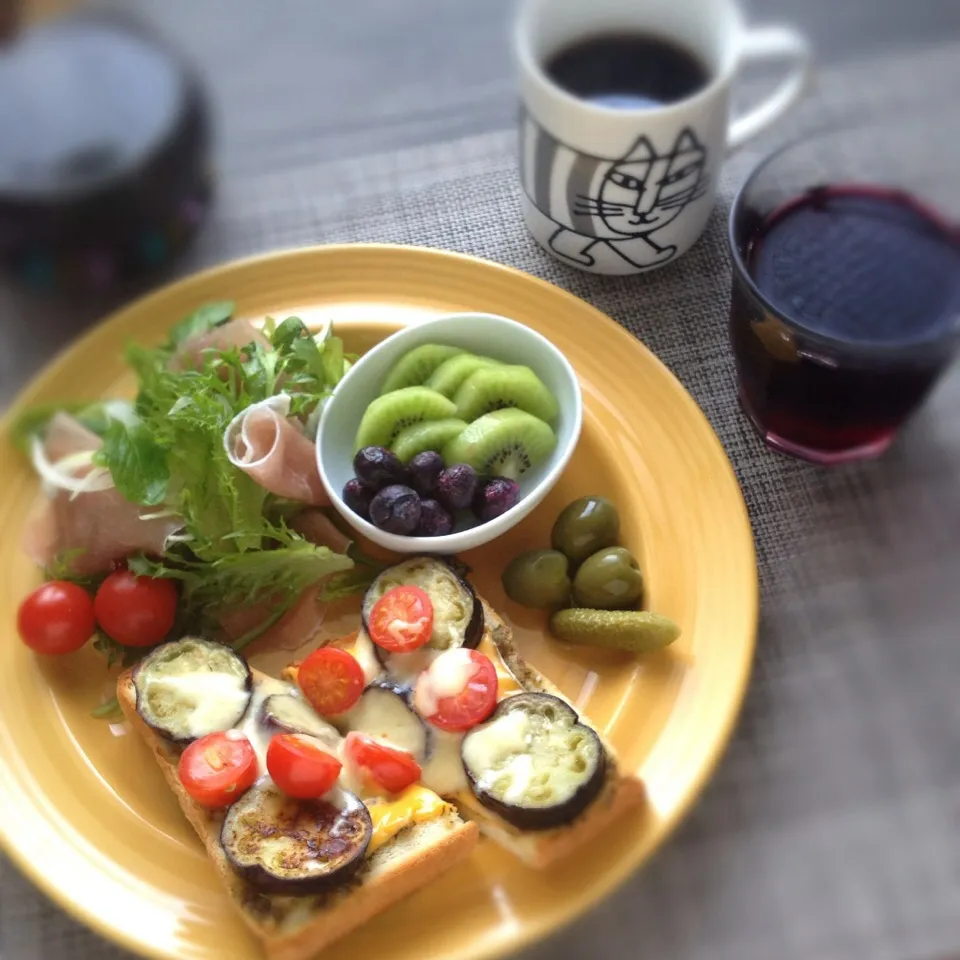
x,y
628,71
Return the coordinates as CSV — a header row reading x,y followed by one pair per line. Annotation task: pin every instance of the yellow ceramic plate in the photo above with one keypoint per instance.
x,y
86,812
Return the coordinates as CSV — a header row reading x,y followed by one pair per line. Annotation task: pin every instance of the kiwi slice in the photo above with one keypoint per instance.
x,y
494,388
505,443
429,435
389,414
637,631
413,368
446,379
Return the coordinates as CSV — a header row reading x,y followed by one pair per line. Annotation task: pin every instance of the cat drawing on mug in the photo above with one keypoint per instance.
x,y
621,203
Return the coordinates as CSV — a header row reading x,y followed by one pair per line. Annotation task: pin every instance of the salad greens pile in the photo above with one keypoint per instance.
x,y
165,451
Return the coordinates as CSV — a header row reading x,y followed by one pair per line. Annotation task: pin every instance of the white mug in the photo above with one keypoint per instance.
x,y
623,191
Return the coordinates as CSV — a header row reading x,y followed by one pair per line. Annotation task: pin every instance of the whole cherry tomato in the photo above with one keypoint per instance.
x,y
136,611
58,617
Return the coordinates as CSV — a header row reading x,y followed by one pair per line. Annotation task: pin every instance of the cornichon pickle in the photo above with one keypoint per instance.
x,y
637,631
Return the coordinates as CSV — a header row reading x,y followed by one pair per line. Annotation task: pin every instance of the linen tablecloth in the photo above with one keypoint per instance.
x,y
831,827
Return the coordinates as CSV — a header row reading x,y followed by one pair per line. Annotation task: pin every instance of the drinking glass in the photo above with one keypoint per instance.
x,y
845,307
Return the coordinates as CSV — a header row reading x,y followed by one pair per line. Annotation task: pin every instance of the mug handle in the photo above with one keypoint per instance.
x,y
772,43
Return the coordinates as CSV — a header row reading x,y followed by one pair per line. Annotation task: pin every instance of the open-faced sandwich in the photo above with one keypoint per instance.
x,y
306,849
443,685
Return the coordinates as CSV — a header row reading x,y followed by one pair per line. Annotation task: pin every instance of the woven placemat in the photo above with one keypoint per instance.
x,y
829,830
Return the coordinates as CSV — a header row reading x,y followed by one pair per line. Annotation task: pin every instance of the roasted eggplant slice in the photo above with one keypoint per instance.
x,y
192,687
533,762
457,612
290,714
384,712
296,847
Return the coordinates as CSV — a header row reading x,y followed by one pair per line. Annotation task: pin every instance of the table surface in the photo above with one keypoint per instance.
x,y
829,829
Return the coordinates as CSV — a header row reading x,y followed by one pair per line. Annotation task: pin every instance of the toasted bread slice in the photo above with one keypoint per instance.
x,y
538,848
294,928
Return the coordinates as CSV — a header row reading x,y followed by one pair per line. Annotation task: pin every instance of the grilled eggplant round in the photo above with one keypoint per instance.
x,y
384,712
191,687
533,762
457,611
294,847
289,713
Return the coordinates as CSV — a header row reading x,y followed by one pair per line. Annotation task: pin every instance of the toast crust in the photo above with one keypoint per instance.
x,y
295,928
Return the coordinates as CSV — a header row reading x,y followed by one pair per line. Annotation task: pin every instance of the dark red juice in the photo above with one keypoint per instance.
x,y
865,289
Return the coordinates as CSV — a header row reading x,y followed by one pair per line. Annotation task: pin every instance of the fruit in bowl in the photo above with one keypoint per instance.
x,y
471,416
450,432
424,497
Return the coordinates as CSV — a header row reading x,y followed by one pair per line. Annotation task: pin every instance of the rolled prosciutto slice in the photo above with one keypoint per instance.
x,y
264,443
234,333
83,518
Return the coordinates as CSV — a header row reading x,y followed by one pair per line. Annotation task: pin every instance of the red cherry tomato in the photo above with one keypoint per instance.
x,y
332,680
388,767
216,769
401,620
459,711
56,618
136,611
300,766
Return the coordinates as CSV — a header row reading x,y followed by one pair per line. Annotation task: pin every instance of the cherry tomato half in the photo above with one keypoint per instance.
x,y
136,611
300,766
56,618
331,679
388,767
459,711
216,769
401,620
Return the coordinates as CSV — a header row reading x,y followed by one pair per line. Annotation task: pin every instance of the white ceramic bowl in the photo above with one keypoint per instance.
x,y
481,333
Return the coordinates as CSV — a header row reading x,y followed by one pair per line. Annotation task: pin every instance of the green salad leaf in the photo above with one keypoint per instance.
x,y
165,451
95,416
116,653
348,584
275,576
109,711
137,463
201,321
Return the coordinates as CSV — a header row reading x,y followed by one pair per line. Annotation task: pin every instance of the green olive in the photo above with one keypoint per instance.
x,y
538,579
584,527
608,580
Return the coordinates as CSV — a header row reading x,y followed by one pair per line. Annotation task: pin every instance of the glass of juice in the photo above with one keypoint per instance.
x,y
846,286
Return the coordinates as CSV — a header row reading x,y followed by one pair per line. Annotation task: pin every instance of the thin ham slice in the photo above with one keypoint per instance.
x,y
318,528
235,333
264,443
294,630
100,524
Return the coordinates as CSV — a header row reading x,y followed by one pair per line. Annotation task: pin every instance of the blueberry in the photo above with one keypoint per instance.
x,y
434,520
425,469
495,497
376,467
456,486
357,497
396,509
